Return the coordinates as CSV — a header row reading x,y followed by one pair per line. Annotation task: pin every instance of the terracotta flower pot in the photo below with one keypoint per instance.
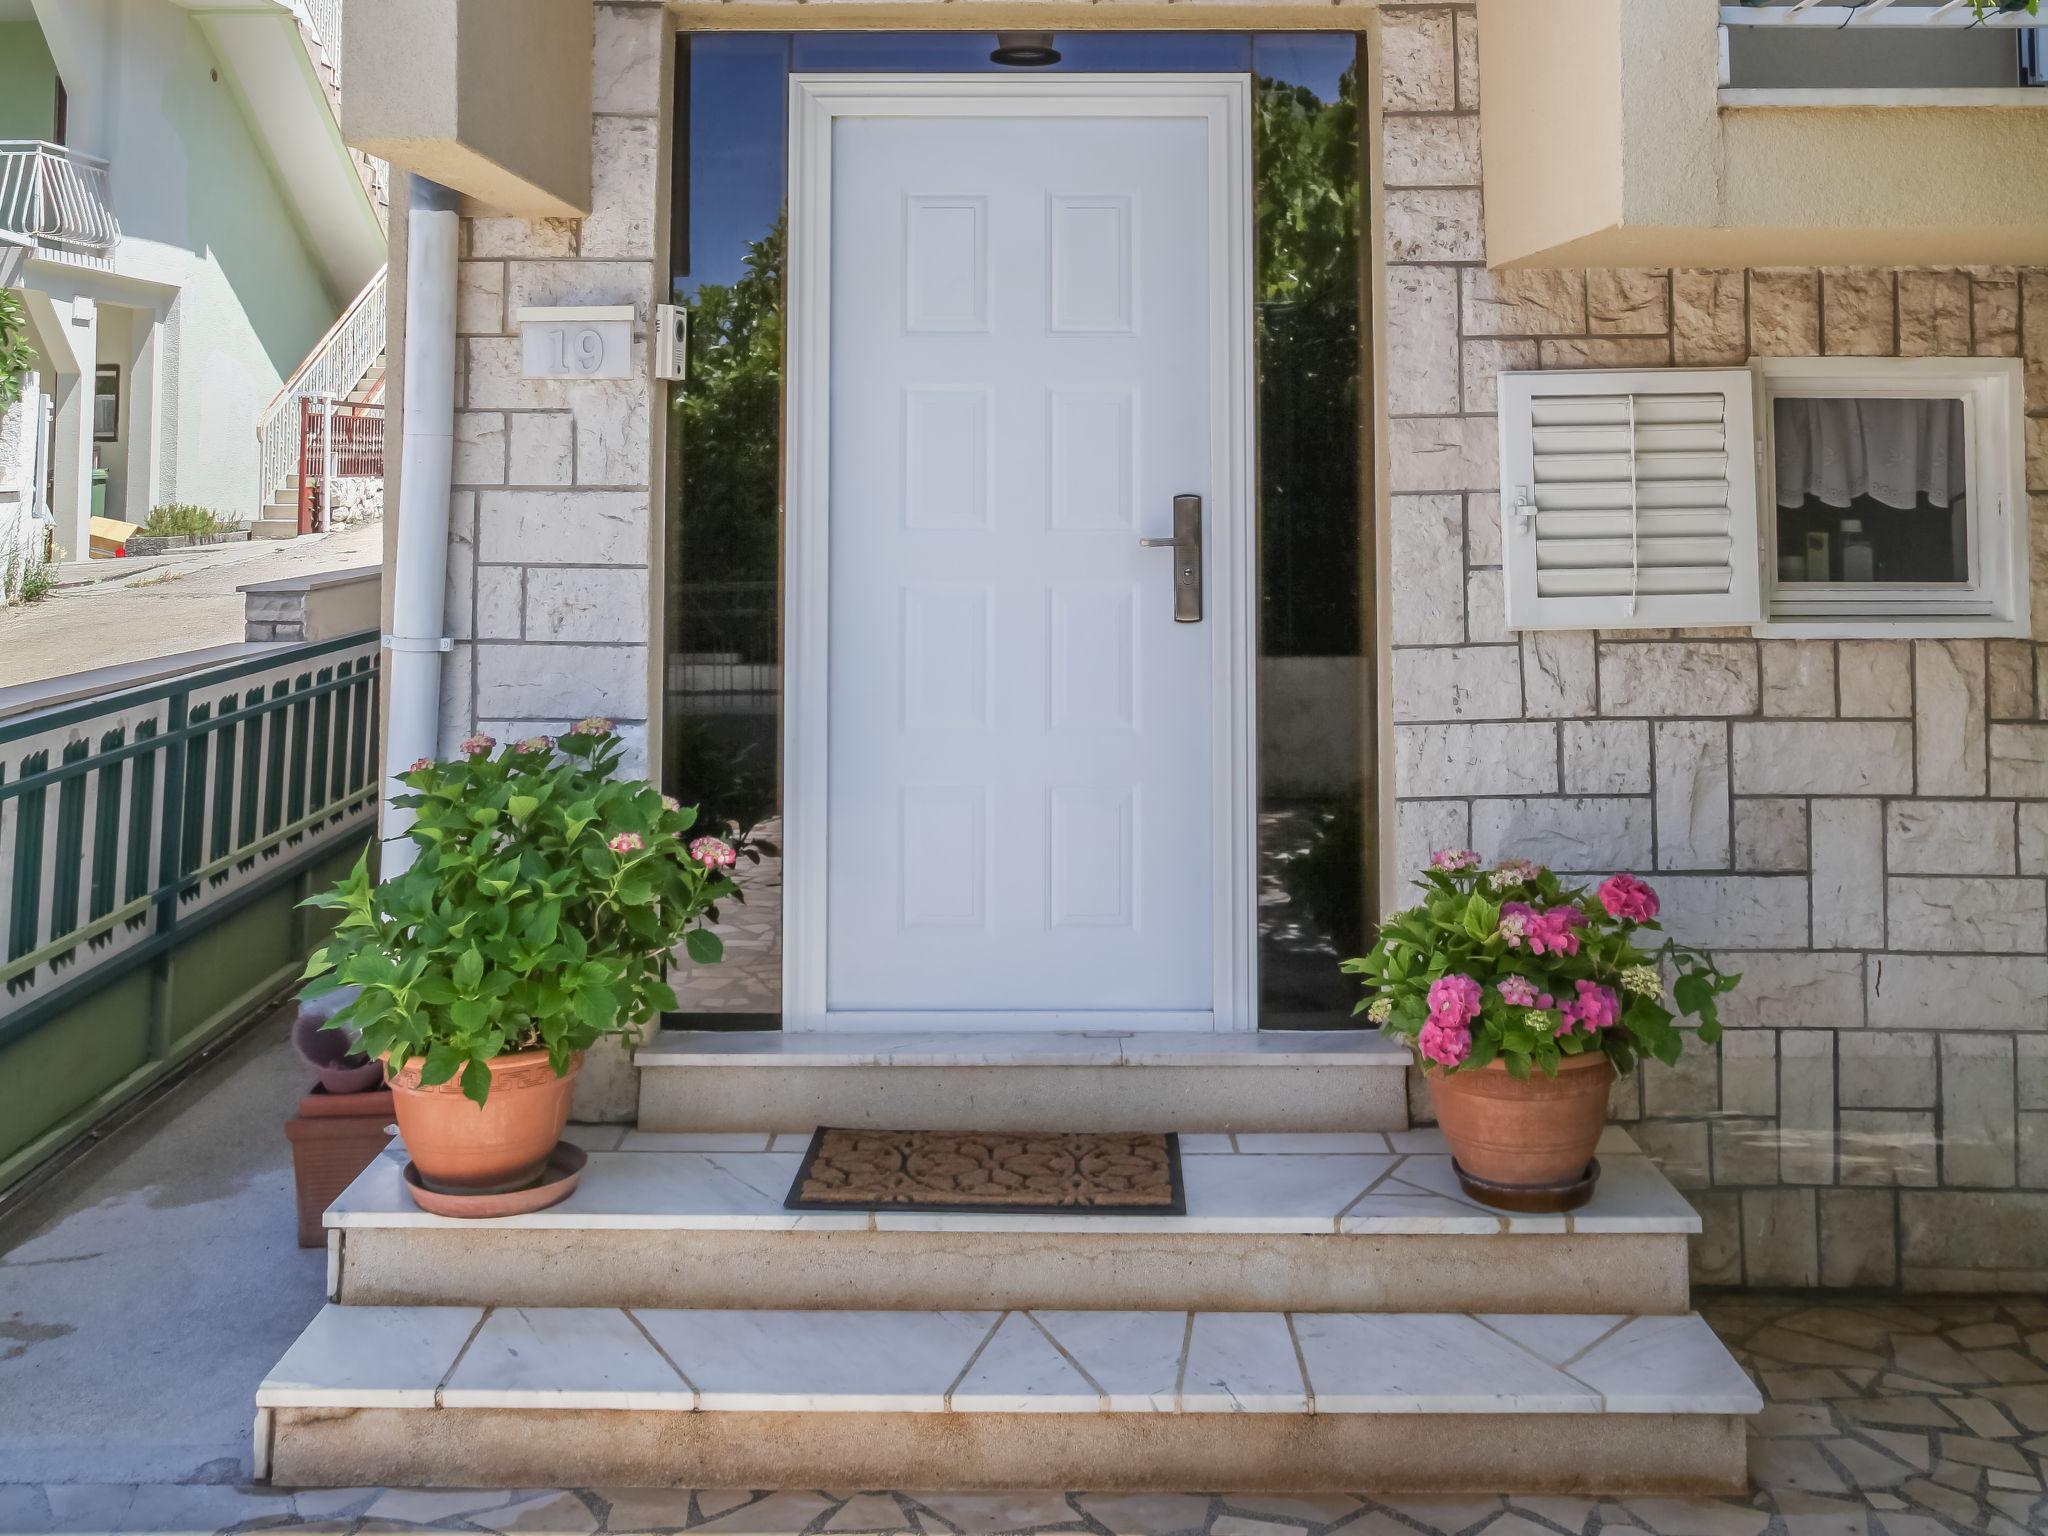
x,y
458,1148
334,1137
1532,1136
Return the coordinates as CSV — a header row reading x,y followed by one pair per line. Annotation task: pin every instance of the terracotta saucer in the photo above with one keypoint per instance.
x,y
557,1182
1531,1199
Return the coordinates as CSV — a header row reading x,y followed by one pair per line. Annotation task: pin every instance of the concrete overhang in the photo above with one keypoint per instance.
x,y
489,97
1608,141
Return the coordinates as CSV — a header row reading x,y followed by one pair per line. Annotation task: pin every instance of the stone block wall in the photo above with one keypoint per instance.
x,y
551,591
1861,826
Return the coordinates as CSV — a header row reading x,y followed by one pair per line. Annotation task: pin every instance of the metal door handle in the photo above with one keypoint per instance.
x,y
1186,545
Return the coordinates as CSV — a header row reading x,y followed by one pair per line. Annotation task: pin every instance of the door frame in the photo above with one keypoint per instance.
x,y
816,102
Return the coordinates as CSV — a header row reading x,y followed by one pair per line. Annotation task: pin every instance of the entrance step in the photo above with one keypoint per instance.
x,y
1354,1221
1254,1080
275,527
468,1396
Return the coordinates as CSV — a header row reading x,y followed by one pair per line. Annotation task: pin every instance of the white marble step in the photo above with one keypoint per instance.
x,y
369,1393
1359,1220
1255,1080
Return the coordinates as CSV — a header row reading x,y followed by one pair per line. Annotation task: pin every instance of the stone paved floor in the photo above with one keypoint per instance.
x,y
1885,1418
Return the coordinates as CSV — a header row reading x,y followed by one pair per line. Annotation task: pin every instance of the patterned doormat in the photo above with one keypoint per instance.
x,y
1105,1173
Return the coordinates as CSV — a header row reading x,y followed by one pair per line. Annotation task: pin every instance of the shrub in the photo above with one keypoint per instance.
x,y
539,915
37,582
183,518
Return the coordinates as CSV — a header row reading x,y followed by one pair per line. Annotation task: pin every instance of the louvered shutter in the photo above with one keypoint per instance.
x,y
1628,499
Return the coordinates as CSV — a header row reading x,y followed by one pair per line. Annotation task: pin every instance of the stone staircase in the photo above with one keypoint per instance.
x,y
1331,1312
280,519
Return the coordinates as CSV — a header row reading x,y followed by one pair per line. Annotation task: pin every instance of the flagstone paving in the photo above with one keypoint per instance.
x,y
1882,1418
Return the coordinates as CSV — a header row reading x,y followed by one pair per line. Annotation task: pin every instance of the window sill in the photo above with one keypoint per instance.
x,y
1931,627
2011,97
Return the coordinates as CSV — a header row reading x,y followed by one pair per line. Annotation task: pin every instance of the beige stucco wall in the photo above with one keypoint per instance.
x,y
1606,143
490,97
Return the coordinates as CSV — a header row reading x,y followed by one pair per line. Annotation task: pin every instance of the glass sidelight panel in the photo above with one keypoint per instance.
x,y
722,740
1315,783
722,744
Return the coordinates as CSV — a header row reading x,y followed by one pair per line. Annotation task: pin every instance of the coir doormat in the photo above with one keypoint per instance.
x,y
1093,1173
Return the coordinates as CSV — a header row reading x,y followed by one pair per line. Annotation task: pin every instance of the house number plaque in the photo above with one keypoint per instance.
x,y
577,343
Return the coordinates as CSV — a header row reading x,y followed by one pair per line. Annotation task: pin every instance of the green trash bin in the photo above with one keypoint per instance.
x,y
99,492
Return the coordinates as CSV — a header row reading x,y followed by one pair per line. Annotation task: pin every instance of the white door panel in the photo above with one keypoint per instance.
x,y
1021,797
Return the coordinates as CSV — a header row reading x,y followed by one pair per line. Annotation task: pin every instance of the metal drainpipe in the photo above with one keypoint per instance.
x,y
412,666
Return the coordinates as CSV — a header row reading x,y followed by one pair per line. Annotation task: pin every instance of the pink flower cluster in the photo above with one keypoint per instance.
x,y
474,746
1627,898
535,744
1596,1008
420,765
1451,860
592,725
1552,931
627,842
1518,992
1453,1004
713,853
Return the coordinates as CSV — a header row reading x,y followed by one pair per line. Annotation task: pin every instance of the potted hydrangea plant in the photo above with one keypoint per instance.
x,y
538,917
1523,998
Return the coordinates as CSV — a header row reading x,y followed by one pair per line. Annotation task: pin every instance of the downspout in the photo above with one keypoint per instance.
x,y
414,647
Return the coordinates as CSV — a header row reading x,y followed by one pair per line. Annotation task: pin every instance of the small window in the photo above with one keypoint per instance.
x,y
106,403
1893,493
1825,495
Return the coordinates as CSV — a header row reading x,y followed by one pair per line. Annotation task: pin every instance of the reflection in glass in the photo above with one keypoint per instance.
x,y
721,745
1312,779
1871,489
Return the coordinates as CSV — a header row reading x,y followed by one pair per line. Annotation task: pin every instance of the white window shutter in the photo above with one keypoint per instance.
x,y
1628,499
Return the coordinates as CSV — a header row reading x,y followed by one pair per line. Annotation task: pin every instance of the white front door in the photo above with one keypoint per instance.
x,y
1029,797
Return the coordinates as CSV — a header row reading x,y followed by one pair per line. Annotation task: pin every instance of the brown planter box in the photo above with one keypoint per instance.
x,y
334,1137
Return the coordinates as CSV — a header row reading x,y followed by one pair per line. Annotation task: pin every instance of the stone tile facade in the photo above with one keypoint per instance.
x,y
1862,825
554,527
1859,824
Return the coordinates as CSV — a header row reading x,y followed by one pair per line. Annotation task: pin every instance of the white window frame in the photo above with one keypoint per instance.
x,y
1995,601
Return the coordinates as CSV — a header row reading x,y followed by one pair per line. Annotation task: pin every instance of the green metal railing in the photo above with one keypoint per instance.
x,y
130,822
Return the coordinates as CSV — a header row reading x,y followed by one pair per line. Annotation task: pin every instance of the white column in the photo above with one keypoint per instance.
x,y
71,505
145,449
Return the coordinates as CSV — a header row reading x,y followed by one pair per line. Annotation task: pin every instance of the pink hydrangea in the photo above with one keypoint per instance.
x,y
713,853
1518,991
1444,1044
1451,860
1454,1000
627,842
1626,897
592,725
475,746
535,744
420,765
671,803
1550,932
1595,1009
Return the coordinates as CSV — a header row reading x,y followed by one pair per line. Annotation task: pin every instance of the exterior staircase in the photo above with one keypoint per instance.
x,y
1331,1312
280,519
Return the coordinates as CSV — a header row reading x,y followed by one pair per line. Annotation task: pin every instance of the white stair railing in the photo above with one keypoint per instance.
x,y
323,19
334,368
51,195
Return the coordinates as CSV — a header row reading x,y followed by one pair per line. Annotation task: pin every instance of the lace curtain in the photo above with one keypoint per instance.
x,y
1898,452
